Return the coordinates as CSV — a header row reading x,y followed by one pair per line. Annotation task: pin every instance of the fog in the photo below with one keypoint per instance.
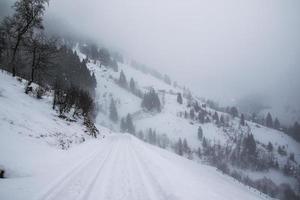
x,y
224,50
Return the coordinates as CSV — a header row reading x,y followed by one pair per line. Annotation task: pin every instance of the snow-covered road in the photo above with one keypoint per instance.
x,y
123,167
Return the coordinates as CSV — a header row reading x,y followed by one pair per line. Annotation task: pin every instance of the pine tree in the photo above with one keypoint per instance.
x,y
113,114
201,117
192,114
122,80
242,121
270,147
132,85
216,118
276,124
180,147
200,133
179,98
151,101
123,125
185,145
185,114
234,112
269,121
129,124
222,120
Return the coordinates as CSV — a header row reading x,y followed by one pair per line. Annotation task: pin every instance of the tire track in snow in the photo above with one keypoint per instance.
x,y
157,191
71,185
108,160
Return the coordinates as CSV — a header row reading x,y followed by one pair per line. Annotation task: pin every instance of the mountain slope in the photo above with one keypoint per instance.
x,y
172,123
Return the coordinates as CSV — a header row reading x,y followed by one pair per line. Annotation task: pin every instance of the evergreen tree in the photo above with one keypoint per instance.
x,y
151,101
200,133
179,98
242,121
269,121
154,139
132,85
123,80
201,117
234,112
123,125
180,147
129,124
192,114
216,117
222,120
185,146
185,114
294,131
276,124
249,145
196,106
270,147
113,114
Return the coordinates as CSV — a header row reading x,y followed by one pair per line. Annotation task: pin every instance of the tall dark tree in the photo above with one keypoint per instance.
x,y
132,85
249,145
129,124
242,121
196,106
151,101
179,98
179,147
27,17
269,121
200,133
123,125
216,117
113,114
123,80
185,146
201,117
192,114
276,124
222,120
234,112
294,131
270,147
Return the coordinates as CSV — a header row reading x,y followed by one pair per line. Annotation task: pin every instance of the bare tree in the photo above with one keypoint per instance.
x,y
28,16
41,52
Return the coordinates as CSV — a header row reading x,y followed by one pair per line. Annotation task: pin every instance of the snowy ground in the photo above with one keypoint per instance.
x,y
117,167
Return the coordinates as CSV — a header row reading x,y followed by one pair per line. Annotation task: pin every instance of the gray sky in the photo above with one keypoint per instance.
x,y
220,49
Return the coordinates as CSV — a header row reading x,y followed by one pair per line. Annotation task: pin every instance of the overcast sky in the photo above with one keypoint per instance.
x,y
220,49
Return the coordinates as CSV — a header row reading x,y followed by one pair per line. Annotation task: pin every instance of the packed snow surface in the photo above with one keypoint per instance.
x,y
119,167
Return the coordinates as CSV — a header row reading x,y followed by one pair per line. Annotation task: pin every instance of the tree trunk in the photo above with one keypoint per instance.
x,y
33,65
12,63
